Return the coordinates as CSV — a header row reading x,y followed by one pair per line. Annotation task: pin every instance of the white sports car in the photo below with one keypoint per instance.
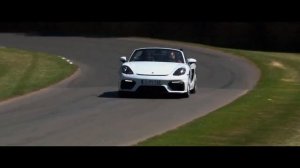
x,y
151,68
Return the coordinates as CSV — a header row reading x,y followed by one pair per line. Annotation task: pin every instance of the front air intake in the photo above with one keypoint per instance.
x,y
176,85
127,84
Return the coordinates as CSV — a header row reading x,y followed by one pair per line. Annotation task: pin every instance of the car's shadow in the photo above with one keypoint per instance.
x,y
145,95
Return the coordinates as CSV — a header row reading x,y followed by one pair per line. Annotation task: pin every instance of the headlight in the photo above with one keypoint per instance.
x,y
126,70
179,71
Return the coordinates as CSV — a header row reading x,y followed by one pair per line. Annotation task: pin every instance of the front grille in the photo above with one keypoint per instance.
x,y
176,85
127,84
151,75
152,89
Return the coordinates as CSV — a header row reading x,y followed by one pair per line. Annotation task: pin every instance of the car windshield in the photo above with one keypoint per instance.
x,y
157,55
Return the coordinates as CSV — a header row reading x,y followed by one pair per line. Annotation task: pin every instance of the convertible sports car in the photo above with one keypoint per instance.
x,y
165,69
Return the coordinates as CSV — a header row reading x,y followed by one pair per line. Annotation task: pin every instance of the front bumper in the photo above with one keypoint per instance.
x,y
172,84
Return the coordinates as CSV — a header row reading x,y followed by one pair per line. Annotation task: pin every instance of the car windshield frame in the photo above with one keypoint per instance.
x,y
157,55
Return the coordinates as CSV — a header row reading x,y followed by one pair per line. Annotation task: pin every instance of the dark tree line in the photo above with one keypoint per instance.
x,y
276,36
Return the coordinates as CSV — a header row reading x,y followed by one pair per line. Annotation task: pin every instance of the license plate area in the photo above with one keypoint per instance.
x,y
151,82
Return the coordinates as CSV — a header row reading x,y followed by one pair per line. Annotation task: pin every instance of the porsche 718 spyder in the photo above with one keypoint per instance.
x,y
158,68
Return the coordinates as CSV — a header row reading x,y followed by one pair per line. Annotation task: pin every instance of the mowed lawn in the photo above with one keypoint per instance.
x,y
22,71
269,115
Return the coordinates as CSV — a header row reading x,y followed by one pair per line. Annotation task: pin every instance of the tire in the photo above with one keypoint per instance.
x,y
187,94
193,91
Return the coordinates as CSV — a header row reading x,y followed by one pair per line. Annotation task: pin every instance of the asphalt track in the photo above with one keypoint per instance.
x,y
86,110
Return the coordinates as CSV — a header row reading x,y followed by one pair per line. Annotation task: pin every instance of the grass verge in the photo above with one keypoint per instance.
x,y
267,115
22,71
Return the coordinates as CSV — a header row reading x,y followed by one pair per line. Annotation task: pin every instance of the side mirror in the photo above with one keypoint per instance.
x,y
123,59
191,60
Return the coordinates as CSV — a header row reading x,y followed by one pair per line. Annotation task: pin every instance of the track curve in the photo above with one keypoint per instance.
x,y
87,111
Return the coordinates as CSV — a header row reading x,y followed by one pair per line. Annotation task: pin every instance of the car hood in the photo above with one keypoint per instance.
x,y
153,68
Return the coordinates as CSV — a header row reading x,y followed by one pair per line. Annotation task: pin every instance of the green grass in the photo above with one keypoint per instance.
x,y
22,71
268,115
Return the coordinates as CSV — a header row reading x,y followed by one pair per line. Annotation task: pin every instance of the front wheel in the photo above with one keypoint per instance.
x,y
187,94
193,91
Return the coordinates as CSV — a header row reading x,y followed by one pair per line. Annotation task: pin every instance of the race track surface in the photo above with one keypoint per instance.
x,y
86,110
